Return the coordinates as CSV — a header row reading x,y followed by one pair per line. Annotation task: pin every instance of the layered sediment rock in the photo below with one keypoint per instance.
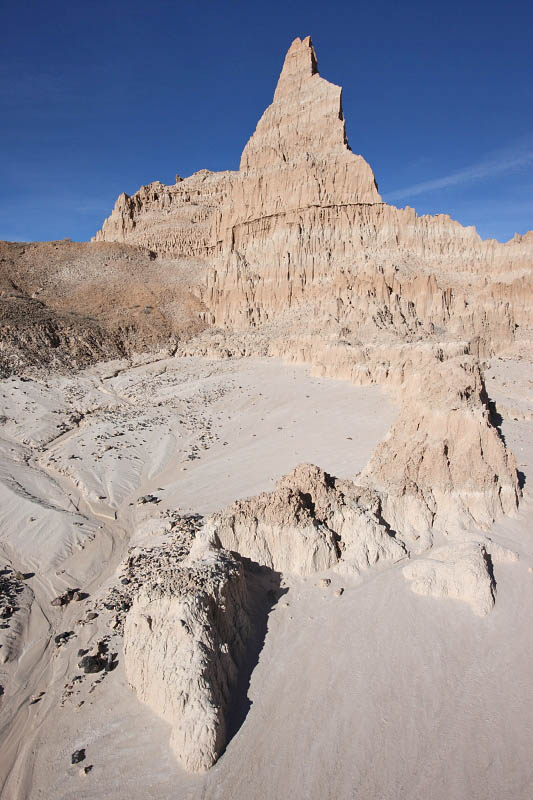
x,y
443,464
299,237
305,261
309,523
68,304
183,640
295,255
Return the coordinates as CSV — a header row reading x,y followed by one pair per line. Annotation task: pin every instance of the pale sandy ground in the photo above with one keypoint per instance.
x,y
376,694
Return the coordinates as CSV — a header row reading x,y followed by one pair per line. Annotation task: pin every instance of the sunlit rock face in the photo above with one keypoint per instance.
x,y
299,237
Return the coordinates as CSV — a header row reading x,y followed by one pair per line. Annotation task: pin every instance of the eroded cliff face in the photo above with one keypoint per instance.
x,y
299,238
311,521
305,262
443,465
65,305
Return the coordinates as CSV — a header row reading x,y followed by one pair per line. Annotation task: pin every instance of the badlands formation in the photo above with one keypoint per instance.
x,y
265,487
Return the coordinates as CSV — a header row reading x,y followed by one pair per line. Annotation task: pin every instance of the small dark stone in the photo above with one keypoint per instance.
x,y
148,498
91,615
78,755
63,637
91,664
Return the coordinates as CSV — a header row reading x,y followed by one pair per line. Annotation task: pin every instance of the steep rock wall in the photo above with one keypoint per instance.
x,y
443,465
301,231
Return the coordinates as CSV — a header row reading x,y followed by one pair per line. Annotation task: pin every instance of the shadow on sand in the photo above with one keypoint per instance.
x,y
264,591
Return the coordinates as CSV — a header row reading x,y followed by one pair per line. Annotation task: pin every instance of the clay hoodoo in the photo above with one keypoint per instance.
x,y
183,642
309,523
299,240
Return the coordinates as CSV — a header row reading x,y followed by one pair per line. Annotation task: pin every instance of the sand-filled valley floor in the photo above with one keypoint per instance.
x,y
78,456
375,692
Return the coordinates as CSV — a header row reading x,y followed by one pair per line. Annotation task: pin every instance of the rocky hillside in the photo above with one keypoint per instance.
x,y
65,304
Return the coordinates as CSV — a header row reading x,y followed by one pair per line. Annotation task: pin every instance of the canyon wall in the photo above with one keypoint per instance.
x,y
304,261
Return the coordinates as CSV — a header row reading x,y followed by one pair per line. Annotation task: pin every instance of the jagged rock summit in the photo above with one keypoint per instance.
x,y
305,123
299,238
302,259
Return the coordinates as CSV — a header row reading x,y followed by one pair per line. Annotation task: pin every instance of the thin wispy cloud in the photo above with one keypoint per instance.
x,y
505,161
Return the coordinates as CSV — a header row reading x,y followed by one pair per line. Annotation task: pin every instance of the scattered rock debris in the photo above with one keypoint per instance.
x,y
68,596
78,755
11,585
148,498
64,637
150,563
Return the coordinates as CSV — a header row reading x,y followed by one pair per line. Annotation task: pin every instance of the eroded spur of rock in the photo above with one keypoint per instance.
x,y
443,465
184,639
311,522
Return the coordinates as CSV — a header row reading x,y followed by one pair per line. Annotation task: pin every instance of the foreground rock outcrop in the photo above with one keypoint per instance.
x,y
184,637
309,523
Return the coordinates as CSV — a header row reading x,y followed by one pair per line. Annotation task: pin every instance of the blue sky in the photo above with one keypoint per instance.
x,y
102,97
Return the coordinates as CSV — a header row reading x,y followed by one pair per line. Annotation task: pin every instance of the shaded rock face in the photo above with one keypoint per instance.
x,y
309,523
183,641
